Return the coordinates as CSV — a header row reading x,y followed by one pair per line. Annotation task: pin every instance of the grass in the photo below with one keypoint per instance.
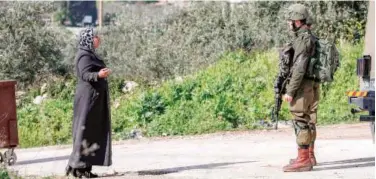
x,y
234,93
5,174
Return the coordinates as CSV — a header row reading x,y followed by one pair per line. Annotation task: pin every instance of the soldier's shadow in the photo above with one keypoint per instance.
x,y
344,164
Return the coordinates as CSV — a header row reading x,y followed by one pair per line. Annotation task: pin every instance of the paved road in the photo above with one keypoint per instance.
x,y
343,151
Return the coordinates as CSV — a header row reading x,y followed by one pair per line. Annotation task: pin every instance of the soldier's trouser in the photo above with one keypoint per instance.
x,y
313,114
303,107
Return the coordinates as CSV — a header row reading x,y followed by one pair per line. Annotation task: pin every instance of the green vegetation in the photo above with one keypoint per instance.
x,y
223,52
4,173
181,40
235,93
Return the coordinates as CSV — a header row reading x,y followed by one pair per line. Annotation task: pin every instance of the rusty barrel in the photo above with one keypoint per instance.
x,y
8,115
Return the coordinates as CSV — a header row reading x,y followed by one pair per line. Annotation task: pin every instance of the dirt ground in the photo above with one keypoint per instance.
x,y
343,151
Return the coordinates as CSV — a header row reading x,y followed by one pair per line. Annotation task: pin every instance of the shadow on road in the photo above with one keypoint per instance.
x,y
193,167
358,160
172,170
344,164
42,160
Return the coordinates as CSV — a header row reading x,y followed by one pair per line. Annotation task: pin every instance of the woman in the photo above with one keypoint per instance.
x,y
91,114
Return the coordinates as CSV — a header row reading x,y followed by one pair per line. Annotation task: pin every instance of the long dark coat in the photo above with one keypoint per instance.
x,y
91,115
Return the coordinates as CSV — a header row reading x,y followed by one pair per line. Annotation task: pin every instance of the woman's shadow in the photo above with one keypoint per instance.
x,y
175,169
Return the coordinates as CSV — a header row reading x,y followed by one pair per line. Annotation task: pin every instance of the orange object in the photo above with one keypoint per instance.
x,y
357,93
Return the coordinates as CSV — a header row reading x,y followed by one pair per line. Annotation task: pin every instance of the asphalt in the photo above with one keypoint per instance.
x,y
343,152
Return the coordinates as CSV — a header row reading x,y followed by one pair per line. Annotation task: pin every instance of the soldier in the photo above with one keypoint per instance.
x,y
302,92
313,115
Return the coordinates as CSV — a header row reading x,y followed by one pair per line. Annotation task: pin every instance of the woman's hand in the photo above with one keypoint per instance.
x,y
104,72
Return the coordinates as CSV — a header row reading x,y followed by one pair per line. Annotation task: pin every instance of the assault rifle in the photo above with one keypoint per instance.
x,y
285,63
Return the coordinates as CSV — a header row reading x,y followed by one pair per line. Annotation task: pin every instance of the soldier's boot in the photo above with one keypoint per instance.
x,y
311,146
303,139
311,156
312,127
301,164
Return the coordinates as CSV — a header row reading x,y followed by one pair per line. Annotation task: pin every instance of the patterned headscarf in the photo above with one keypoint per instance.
x,y
87,38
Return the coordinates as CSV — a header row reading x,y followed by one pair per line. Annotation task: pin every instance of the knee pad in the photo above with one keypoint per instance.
x,y
303,133
312,127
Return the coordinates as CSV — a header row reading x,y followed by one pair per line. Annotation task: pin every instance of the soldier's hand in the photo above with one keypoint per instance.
x,y
287,98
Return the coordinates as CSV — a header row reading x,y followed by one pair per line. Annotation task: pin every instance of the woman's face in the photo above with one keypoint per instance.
x,y
96,41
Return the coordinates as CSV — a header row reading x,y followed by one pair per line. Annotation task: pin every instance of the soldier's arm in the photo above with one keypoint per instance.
x,y
303,49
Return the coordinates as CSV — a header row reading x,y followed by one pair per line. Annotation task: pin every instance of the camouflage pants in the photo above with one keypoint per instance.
x,y
304,107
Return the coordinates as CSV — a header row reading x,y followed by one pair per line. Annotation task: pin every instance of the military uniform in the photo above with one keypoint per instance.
x,y
313,114
304,92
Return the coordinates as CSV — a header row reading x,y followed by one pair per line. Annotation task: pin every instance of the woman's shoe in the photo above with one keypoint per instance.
x,y
84,173
88,174
68,170
78,172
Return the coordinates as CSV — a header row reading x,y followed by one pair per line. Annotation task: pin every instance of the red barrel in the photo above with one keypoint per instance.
x,y
8,115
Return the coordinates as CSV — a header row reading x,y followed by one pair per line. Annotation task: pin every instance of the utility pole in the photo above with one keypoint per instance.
x,y
100,13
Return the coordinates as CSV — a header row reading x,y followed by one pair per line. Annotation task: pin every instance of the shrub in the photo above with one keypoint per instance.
x,y
29,48
235,93
148,48
224,54
180,41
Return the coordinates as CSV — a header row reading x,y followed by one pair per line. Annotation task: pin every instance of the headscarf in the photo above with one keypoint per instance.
x,y
87,38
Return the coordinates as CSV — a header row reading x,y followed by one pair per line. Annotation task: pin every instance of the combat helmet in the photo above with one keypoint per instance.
x,y
297,12
309,20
